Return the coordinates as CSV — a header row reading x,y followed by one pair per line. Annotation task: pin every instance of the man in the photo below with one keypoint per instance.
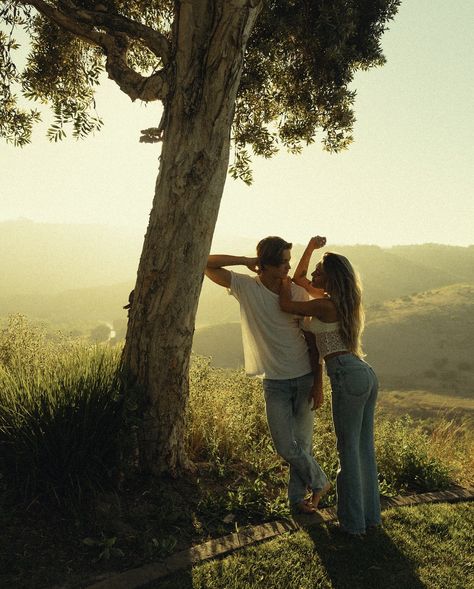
x,y
275,348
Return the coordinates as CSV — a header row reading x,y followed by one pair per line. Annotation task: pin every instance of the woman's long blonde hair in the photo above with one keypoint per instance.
x,y
345,289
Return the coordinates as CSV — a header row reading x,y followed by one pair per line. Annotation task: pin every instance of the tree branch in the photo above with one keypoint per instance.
x,y
115,46
116,23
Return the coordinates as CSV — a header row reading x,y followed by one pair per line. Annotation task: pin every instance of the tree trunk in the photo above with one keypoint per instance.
x,y
211,37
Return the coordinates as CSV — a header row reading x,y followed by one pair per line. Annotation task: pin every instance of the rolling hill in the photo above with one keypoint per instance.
x,y
417,341
419,298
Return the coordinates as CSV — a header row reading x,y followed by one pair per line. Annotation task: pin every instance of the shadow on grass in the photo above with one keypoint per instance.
x,y
325,559
372,562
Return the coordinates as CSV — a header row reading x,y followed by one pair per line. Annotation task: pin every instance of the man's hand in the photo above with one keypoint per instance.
x,y
317,396
252,264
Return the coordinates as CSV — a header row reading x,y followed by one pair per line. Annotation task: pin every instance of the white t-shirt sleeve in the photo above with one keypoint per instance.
x,y
298,293
238,284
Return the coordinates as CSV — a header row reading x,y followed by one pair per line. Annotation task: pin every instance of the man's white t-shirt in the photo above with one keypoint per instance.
x,y
274,345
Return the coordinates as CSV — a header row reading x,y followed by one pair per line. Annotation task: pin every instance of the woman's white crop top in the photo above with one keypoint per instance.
x,y
328,337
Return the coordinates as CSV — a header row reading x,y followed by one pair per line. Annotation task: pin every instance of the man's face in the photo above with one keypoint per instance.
x,y
281,271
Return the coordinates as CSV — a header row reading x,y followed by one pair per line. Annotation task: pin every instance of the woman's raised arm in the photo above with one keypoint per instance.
x,y
300,276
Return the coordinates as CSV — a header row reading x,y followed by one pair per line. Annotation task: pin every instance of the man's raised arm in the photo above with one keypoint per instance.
x,y
215,268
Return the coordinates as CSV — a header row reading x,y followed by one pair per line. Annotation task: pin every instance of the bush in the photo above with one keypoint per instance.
x,y
61,420
406,458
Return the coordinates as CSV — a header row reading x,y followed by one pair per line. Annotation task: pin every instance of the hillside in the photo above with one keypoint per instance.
x,y
419,341
425,340
44,258
76,277
386,274
75,310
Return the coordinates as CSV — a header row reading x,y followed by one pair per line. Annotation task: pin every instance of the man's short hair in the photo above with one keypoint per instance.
x,y
270,251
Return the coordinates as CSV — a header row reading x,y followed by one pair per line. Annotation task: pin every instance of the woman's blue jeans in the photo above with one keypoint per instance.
x,y
290,420
354,393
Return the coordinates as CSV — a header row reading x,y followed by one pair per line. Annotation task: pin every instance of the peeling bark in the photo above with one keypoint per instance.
x,y
211,39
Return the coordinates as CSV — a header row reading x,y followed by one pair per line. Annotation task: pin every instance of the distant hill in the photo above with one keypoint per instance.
x,y
419,341
386,274
45,258
419,301
223,343
425,340
100,303
458,260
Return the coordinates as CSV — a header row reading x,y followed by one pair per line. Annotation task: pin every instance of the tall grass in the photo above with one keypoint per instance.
x,y
65,424
61,415
407,457
227,426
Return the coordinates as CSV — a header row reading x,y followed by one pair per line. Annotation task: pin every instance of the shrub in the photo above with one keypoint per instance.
x,y
61,420
406,458
226,414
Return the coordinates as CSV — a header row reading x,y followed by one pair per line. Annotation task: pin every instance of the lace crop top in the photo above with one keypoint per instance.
x,y
328,338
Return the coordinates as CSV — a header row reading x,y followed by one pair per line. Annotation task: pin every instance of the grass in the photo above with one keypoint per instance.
x,y
420,547
447,423
64,433
426,405
61,425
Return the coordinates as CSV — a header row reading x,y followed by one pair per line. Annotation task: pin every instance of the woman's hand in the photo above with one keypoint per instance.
x,y
285,290
285,293
317,242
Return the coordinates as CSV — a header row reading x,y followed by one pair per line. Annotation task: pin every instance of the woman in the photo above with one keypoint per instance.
x,y
337,319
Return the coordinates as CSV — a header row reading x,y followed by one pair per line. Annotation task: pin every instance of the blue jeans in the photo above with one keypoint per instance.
x,y
290,420
354,393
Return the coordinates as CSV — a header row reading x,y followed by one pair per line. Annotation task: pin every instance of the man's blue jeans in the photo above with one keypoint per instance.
x,y
290,420
354,393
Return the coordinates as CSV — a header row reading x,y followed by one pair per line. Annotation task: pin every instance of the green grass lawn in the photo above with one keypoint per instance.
x,y
424,547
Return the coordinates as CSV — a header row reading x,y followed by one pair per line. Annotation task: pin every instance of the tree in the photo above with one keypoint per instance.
x,y
253,75
100,333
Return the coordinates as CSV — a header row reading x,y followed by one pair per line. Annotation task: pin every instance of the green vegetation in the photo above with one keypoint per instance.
x,y
61,415
70,500
419,547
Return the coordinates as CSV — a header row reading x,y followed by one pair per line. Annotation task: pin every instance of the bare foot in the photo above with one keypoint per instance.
x,y
317,495
305,506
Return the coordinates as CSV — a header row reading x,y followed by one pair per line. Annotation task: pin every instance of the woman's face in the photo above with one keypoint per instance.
x,y
318,277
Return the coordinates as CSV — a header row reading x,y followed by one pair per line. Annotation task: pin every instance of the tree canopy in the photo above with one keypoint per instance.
x,y
299,62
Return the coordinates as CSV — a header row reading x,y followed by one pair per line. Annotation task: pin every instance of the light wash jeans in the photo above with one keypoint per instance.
x,y
290,420
354,393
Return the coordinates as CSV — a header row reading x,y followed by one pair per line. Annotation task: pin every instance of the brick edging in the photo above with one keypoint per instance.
x,y
136,578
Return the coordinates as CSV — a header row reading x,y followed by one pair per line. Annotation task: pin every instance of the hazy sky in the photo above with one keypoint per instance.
x,y
407,178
